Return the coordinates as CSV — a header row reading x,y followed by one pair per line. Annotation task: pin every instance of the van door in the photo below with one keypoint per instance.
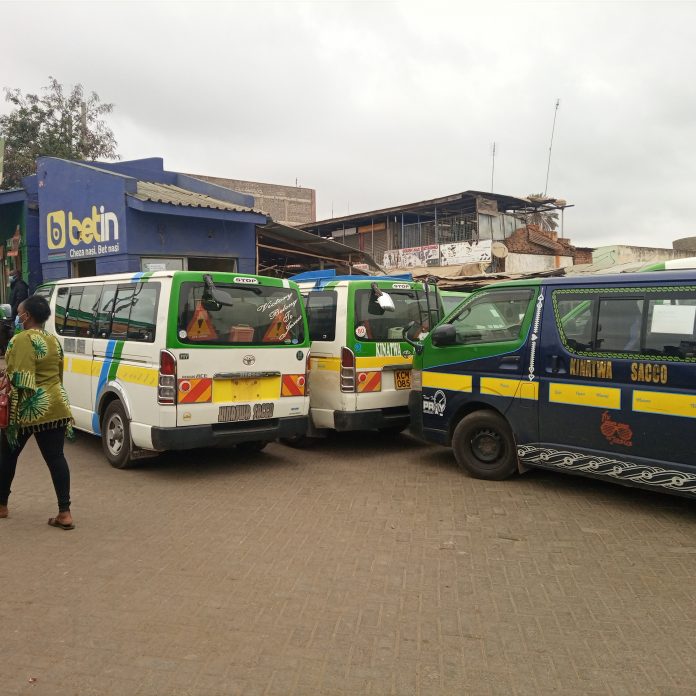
x,y
617,377
489,361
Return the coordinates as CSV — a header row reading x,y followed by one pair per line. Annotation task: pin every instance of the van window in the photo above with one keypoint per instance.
x,y
619,324
128,312
321,315
106,305
143,315
44,291
72,312
61,308
88,310
671,327
251,314
494,316
380,325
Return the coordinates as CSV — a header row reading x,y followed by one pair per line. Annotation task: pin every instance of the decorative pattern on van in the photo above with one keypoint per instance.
x,y
556,294
656,476
534,338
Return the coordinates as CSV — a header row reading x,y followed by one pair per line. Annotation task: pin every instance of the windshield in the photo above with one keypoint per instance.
x,y
372,323
252,314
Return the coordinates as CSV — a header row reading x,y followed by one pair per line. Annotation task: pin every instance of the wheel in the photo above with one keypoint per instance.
x,y
252,447
484,446
116,439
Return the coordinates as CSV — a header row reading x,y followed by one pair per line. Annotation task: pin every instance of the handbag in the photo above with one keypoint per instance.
x,y
4,399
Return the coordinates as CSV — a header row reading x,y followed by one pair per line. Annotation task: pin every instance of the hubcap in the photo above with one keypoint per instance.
x,y
487,445
115,435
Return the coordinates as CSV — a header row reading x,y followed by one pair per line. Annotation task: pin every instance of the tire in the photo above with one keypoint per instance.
x,y
252,447
484,446
116,439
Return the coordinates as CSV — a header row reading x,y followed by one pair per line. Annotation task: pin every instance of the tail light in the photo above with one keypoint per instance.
x,y
166,384
308,367
347,370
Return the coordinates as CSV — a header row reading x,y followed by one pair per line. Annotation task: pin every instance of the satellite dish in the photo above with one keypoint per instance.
x,y
499,250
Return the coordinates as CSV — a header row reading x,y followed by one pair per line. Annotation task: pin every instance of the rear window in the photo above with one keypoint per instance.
x,y
252,314
321,315
372,323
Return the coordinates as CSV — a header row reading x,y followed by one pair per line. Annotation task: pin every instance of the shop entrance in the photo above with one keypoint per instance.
x,y
83,269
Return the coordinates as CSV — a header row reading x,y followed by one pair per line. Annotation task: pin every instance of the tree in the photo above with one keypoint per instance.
x,y
53,124
544,212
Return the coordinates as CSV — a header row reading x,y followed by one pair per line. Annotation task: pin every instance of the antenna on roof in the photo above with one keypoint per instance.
x,y
553,128
493,166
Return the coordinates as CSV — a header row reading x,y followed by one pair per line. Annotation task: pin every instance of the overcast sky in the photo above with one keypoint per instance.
x,y
376,104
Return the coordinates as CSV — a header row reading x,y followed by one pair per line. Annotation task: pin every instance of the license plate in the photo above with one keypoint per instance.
x,y
402,379
245,412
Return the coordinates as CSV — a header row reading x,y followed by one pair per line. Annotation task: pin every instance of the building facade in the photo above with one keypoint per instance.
x,y
75,219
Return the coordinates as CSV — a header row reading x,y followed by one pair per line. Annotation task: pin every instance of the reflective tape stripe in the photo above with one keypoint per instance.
x,y
584,395
446,380
519,388
665,403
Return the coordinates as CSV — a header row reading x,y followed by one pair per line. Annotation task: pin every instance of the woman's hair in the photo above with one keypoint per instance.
x,y
37,307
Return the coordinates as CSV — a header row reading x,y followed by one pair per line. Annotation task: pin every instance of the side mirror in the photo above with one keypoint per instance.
x,y
407,335
444,335
384,300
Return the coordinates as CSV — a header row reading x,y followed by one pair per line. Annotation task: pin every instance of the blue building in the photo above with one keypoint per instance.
x,y
74,219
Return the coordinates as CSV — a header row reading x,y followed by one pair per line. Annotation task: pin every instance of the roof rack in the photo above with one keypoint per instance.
x,y
321,278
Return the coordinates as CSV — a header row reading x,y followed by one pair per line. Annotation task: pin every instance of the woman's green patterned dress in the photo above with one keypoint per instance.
x,y
38,400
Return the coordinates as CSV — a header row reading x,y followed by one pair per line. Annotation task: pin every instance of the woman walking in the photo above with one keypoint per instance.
x,y
38,406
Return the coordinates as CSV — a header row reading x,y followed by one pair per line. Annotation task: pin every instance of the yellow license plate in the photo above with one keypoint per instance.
x,y
402,379
252,389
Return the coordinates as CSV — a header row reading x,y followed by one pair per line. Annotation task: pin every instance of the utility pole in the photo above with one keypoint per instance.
x,y
553,128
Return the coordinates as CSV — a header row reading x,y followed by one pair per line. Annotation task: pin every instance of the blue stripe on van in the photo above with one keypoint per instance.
x,y
137,276
103,376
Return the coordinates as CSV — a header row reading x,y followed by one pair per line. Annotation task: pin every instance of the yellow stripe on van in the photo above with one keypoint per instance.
x,y
446,380
251,389
362,363
521,388
146,376
332,364
664,403
84,366
584,395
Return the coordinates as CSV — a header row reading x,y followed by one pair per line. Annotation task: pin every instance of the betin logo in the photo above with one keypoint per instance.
x,y
101,226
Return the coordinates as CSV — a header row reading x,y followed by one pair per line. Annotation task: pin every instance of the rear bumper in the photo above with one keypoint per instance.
x,y
372,419
223,434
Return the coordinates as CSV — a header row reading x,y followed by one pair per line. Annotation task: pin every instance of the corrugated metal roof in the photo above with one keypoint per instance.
x,y
175,195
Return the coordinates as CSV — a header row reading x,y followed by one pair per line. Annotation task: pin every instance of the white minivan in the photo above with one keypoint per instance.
x,y
361,355
173,360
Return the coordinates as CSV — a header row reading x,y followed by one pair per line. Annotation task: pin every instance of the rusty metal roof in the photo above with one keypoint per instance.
x,y
175,195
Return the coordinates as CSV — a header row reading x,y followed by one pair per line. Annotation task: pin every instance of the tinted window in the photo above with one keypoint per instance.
x,y
122,309
106,306
88,310
372,323
321,315
618,325
250,314
61,307
671,327
494,316
143,315
72,317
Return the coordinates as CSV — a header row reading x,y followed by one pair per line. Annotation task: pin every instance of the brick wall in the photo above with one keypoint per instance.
x,y
289,205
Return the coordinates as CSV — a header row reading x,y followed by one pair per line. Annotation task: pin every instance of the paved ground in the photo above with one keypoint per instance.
x,y
360,567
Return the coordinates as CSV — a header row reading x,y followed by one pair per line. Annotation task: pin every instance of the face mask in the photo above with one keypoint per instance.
x,y
12,280
18,323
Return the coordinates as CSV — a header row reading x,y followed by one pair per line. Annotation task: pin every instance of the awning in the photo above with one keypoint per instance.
x,y
278,241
